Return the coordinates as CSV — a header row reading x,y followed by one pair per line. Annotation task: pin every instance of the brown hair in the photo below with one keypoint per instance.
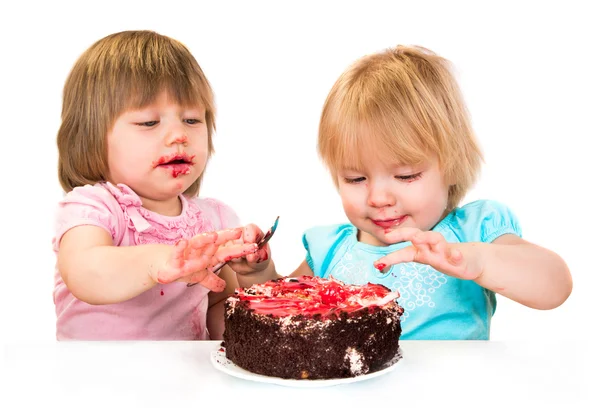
x,y
125,70
403,104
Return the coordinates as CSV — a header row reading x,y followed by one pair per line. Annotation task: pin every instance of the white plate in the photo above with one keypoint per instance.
x,y
222,363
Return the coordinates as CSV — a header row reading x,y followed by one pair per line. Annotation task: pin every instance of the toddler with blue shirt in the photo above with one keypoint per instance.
x,y
396,137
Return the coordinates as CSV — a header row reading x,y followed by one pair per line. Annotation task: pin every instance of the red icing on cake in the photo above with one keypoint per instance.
x,y
309,296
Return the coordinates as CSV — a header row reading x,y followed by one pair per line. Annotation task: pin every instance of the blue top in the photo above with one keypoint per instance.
x,y
436,306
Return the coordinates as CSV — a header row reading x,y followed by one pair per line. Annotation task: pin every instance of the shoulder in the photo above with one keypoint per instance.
x,y
103,193
324,244
97,192
482,221
90,198
483,208
328,234
89,205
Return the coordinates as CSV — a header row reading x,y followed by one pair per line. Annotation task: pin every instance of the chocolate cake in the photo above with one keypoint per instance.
x,y
312,328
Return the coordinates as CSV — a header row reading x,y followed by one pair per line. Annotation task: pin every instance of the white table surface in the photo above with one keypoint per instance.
x,y
171,374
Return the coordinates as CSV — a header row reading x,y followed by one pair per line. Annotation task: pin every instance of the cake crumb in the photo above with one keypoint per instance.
x,y
356,360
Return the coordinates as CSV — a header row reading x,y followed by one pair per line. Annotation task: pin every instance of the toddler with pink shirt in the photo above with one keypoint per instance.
x,y
132,235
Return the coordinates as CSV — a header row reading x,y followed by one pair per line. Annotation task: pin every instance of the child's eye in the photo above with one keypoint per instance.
x,y
410,177
353,180
192,121
148,124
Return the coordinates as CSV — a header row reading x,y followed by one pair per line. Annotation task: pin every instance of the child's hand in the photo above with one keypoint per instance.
x,y
253,262
432,249
192,259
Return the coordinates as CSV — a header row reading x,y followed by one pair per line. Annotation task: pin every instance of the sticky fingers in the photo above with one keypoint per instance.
x,y
225,254
403,255
208,280
403,234
252,233
217,238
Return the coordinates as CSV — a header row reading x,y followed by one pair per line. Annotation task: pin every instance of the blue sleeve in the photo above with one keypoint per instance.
x,y
322,244
483,221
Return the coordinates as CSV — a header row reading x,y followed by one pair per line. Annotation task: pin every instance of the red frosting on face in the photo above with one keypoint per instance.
x,y
308,295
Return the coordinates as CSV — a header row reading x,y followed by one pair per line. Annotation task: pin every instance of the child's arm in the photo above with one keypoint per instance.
x,y
526,273
215,318
97,272
303,270
249,278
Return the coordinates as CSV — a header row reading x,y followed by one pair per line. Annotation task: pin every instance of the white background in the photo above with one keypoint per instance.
x,y
529,73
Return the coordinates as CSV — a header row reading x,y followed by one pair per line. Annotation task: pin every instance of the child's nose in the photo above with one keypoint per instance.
x,y
176,135
380,196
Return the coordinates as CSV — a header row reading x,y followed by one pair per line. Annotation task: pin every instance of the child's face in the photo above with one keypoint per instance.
x,y
384,197
159,150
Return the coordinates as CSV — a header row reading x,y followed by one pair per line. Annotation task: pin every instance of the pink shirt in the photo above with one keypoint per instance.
x,y
165,312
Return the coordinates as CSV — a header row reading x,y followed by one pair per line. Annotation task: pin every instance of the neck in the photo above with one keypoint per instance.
x,y
171,207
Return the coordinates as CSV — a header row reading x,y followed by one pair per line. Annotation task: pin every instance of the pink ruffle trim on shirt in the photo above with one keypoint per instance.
x,y
151,228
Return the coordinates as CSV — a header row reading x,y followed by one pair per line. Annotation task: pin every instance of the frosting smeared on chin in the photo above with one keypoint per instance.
x,y
309,296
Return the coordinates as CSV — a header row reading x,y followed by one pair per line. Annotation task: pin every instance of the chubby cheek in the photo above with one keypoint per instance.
x,y
127,157
351,201
351,209
136,165
200,162
200,150
428,206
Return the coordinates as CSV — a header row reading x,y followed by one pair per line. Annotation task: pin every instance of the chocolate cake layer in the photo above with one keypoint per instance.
x,y
322,329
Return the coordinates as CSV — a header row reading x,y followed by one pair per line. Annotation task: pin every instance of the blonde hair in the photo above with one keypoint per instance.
x,y
125,70
404,105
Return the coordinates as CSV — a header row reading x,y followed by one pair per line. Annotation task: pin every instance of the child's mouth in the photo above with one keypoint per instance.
x,y
389,223
177,163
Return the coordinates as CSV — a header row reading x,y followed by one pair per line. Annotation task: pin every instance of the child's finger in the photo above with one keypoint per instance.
x,y
225,254
201,240
228,235
175,263
194,277
454,256
215,237
446,261
429,237
403,255
440,247
263,253
208,280
259,256
179,253
436,241
236,260
403,234
425,255
252,233
209,250
195,265
253,258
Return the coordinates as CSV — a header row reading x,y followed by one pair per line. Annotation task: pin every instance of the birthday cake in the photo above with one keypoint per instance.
x,y
312,328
